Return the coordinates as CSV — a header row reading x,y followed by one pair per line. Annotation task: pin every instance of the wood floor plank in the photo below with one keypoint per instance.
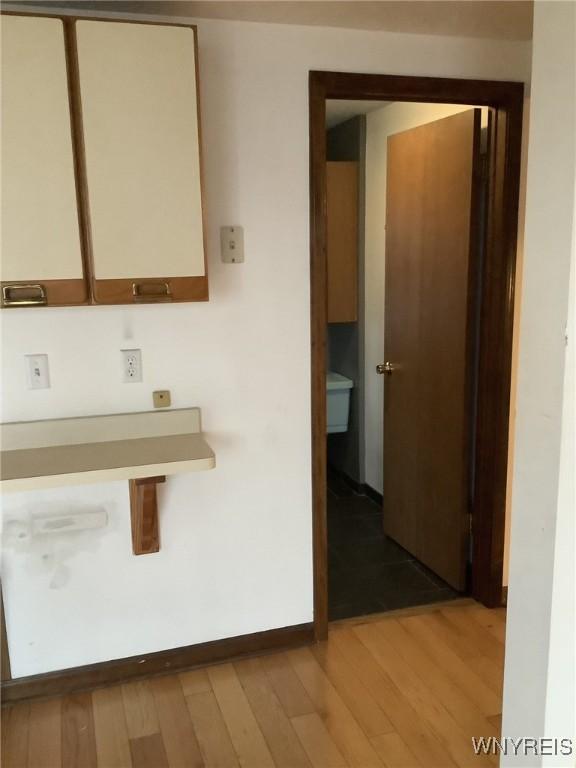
x,y
478,637
340,723
410,726
489,672
280,736
496,721
356,696
490,620
463,709
424,702
78,738
316,740
45,735
393,751
211,731
499,613
148,752
140,709
460,672
194,681
180,742
15,726
451,635
243,728
287,686
112,743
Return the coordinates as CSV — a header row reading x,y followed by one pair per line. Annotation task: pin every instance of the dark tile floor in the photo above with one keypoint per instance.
x,y
367,571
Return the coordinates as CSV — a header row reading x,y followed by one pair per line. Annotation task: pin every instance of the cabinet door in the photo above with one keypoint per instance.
x,y
138,89
342,241
41,253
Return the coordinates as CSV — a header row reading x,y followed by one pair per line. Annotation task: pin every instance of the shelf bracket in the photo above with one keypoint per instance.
x,y
144,515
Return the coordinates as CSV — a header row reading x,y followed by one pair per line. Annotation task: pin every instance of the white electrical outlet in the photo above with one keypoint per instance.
x,y
37,371
131,366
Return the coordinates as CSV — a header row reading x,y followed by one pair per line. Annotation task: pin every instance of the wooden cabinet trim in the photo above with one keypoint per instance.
x,y
59,293
79,155
122,291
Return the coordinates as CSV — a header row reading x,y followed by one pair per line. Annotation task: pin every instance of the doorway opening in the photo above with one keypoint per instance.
x,y
414,202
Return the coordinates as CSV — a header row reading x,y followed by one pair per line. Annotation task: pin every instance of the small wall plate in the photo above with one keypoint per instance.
x,y
162,398
232,244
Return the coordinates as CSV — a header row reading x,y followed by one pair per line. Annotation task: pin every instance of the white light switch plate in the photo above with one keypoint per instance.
x,y
37,371
232,244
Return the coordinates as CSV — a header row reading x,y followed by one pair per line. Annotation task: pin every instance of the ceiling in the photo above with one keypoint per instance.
x,y
340,110
498,19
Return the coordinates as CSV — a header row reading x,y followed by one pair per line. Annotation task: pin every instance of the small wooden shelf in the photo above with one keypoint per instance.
x,y
142,448
53,466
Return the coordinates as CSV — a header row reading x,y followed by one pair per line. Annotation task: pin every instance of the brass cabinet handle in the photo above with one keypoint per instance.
x,y
153,291
23,295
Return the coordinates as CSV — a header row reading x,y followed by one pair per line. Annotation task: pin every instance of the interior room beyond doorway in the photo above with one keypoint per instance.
x,y
368,570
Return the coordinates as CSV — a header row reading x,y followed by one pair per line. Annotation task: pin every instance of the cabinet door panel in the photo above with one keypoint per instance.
x,y
342,241
41,252
138,87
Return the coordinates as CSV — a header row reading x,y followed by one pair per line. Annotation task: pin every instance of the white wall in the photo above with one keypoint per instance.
x,y
560,715
539,685
381,124
236,542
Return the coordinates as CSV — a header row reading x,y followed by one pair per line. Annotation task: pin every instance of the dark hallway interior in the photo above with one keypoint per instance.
x,y
368,571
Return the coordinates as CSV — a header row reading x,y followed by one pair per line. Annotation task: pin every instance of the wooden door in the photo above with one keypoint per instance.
x,y
139,98
429,330
342,241
41,252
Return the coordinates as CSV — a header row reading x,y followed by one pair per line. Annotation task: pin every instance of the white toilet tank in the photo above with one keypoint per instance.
x,y
338,390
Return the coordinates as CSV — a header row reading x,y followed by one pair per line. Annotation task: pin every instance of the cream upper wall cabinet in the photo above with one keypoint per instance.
x,y
139,101
41,260
101,165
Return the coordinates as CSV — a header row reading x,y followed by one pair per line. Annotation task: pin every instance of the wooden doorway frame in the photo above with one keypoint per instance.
x,y
496,311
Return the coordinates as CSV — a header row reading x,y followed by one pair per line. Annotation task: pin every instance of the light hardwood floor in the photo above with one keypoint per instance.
x,y
406,690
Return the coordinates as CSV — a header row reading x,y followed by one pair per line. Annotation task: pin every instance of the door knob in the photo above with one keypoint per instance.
x,y
386,368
